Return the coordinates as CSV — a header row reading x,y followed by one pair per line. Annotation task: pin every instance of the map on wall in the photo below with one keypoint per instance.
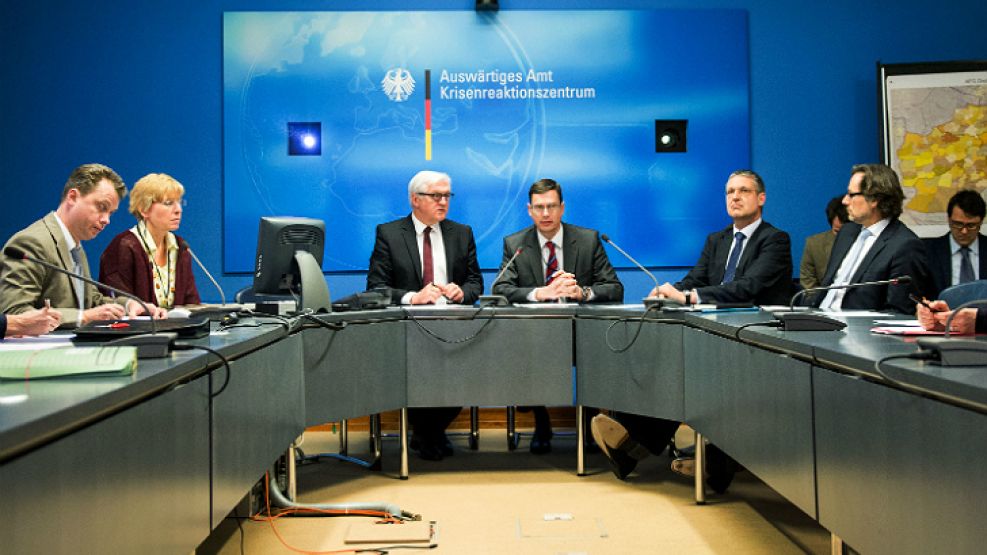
x,y
329,114
937,141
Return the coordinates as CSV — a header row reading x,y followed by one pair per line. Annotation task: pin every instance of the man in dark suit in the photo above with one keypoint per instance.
x,y
958,256
558,261
873,246
425,258
748,262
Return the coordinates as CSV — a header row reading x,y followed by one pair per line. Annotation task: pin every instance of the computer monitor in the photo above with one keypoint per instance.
x,y
289,260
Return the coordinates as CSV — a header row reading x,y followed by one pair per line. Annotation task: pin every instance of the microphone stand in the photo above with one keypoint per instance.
x,y
499,300
648,301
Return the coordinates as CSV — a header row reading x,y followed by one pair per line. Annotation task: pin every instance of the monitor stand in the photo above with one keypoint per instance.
x,y
315,289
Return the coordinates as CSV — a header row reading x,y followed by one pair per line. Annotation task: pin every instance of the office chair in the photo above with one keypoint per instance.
x,y
964,292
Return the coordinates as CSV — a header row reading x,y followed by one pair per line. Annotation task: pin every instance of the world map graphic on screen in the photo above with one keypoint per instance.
x,y
513,97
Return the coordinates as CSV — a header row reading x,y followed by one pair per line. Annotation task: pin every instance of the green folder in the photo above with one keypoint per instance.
x,y
68,361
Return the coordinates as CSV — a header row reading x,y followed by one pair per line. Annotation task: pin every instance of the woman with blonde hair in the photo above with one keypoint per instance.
x,y
149,260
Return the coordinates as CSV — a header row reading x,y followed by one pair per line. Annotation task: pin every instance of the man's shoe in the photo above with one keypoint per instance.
x,y
445,447
540,445
686,466
616,444
425,450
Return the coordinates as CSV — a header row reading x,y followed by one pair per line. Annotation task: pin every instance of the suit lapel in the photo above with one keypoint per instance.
x,y
750,250
719,266
532,256
411,244
841,247
879,244
449,245
570,251
982,255
64,256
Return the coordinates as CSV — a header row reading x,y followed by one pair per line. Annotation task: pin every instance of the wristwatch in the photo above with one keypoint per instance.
x,y
587,291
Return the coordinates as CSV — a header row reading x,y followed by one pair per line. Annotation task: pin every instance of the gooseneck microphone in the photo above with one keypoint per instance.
x,y
804,321
499,300
149,345
648,301
901,280
222,295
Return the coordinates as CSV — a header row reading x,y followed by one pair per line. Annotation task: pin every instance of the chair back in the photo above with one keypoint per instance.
x,y
964,292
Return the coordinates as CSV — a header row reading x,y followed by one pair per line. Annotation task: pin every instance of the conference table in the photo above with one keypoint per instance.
x,y
154,462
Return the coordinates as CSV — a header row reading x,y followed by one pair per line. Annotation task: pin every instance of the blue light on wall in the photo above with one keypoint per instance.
x,y
304,138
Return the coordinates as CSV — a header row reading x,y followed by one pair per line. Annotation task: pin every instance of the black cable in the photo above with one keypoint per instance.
x,y
772,324
334,326
226,363
921,355
466,339
640,324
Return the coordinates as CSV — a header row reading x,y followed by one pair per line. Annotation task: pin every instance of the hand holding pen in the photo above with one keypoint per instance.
x,y
932,315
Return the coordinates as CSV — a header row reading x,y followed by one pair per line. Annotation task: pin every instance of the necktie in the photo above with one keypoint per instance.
x,y
854,256
834,297
552,264
78,284
731,270
966,267
428,272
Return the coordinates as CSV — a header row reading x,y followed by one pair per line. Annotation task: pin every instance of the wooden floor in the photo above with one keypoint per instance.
x,y
495,501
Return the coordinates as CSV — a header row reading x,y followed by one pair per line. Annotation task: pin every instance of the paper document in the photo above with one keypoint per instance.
x,y
69,361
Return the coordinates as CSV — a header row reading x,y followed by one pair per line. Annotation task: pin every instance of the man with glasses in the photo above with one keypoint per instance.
x,y
425,258
558,262
750,261
958,256
90,196
874,246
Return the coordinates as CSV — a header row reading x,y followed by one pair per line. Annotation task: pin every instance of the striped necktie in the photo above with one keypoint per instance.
x,y
552,264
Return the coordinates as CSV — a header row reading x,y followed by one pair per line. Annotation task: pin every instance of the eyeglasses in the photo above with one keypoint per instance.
x,y
170,203
969,226
851,195
552,207
437,197
741,191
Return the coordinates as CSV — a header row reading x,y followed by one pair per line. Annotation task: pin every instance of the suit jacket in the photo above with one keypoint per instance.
x,y
897,252
764,271
125,265
815,257
25,285
940,260
582,255
395,262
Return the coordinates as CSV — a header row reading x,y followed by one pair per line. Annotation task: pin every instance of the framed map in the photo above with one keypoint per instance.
x,y
934,123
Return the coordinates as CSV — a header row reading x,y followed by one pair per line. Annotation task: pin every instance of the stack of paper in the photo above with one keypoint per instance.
x,y
70,361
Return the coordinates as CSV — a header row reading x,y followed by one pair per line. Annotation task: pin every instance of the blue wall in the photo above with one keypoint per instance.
x,y
138,86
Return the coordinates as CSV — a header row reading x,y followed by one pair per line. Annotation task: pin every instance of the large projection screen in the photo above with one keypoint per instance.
x,y
515,96
934,134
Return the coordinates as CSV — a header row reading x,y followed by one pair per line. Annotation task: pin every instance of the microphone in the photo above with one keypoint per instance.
x,y
648,301
900,280
222,295
151,345
802,321
499,300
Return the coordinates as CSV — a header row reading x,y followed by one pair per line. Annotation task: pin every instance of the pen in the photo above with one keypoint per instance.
x,y
922,302
48,304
